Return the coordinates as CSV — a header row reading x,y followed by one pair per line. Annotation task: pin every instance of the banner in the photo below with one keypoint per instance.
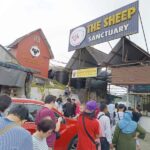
x,y
119,23
84,73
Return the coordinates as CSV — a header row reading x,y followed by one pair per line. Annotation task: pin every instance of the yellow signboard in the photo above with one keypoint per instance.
x,y
84,73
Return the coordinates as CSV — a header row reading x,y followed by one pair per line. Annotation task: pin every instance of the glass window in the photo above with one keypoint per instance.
x,y
33,108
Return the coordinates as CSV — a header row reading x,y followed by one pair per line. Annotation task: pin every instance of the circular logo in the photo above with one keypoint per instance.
x,y
35,51
77,36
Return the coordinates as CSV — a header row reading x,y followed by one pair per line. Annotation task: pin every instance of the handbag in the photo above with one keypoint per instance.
x,y
93,141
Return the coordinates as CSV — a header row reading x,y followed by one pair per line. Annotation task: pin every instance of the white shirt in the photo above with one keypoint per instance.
x,y
105,126
118,116
39,144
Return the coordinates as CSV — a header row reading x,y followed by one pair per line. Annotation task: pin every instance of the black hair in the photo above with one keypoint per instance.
x,y
20,111
5,102
69,100
116,105
46,125
59,99
103,106
49,99
130,108
121,106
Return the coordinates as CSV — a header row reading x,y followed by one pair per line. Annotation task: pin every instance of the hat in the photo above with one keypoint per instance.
x,y
91,105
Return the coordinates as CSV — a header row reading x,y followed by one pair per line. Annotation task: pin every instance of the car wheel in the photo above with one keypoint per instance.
x,y
73,143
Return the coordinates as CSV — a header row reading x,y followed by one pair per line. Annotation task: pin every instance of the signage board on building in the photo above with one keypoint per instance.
x,y
140,88
119,23
136,75
84,73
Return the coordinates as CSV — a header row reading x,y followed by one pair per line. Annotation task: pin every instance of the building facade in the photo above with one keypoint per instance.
x,y
33,51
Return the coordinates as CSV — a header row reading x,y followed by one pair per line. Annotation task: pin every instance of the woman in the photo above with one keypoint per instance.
x,y
126,133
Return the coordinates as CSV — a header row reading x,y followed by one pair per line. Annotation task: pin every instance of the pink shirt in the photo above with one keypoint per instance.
x,y
45,112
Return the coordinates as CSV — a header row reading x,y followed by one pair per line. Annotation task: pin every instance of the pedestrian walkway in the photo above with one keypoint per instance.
x,y
145,144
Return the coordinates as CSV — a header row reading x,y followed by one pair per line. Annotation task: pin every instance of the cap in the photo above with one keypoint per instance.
x,y
91,105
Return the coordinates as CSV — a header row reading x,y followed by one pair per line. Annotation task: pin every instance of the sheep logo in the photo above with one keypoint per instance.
x,y
35,51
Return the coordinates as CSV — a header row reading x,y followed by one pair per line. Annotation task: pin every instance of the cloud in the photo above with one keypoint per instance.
x,y
57,17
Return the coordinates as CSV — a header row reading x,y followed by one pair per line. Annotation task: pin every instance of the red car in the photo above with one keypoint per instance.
x,y
68,131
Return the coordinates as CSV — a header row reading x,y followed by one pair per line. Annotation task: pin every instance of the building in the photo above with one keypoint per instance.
x,y
33,51
15,79
88,87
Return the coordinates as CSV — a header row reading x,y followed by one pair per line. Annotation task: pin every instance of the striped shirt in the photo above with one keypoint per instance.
x,y
17,138
39,144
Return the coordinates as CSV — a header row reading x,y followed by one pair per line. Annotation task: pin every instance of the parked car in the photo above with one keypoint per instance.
x,y
68,131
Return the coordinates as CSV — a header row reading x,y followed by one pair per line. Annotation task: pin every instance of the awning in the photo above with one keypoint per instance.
x,y
12,77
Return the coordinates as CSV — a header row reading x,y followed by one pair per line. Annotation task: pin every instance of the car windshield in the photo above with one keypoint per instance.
x,y
33,108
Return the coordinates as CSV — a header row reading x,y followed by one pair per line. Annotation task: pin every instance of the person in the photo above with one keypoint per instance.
x,y
73,101
111,110
5,102
67,91
88,124
106,139
136,114
126,133
68,108
120,112
59,104
44,128
47,111
12,135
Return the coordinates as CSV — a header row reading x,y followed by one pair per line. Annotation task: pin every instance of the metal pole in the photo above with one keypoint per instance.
x,y
110,45
143,32
127,96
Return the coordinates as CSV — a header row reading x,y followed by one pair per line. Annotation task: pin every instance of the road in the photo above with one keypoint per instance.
x,y
145,144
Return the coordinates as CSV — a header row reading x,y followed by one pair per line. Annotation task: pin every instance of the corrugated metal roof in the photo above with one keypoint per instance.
x,y
86,58
12,45
126,51
17,67
12,56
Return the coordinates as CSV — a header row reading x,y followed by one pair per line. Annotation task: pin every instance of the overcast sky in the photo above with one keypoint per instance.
x,y
57,17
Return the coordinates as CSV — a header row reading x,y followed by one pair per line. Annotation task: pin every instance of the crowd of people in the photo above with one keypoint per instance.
x,y
99,126
114,127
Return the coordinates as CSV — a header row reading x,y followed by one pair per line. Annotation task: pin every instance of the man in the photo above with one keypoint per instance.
x,y
47,111
106,139
5,102
88,126
111,110
44,128
68,108
12,135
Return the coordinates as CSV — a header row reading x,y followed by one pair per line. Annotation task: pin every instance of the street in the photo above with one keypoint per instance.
x,y
145,144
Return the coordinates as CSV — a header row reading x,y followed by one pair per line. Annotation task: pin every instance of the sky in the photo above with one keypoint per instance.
x,y
57,17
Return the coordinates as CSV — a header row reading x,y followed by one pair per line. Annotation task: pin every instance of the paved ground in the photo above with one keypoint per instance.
x,y
145,144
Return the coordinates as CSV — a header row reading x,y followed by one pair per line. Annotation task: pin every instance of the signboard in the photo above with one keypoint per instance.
x,y
131,75
119,23
140,88
84,73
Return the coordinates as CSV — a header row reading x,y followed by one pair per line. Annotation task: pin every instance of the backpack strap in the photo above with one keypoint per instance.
x,y
93,141
7,128
118,116
100,116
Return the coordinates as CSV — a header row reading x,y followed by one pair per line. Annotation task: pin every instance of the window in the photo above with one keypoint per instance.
x,y
33,108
